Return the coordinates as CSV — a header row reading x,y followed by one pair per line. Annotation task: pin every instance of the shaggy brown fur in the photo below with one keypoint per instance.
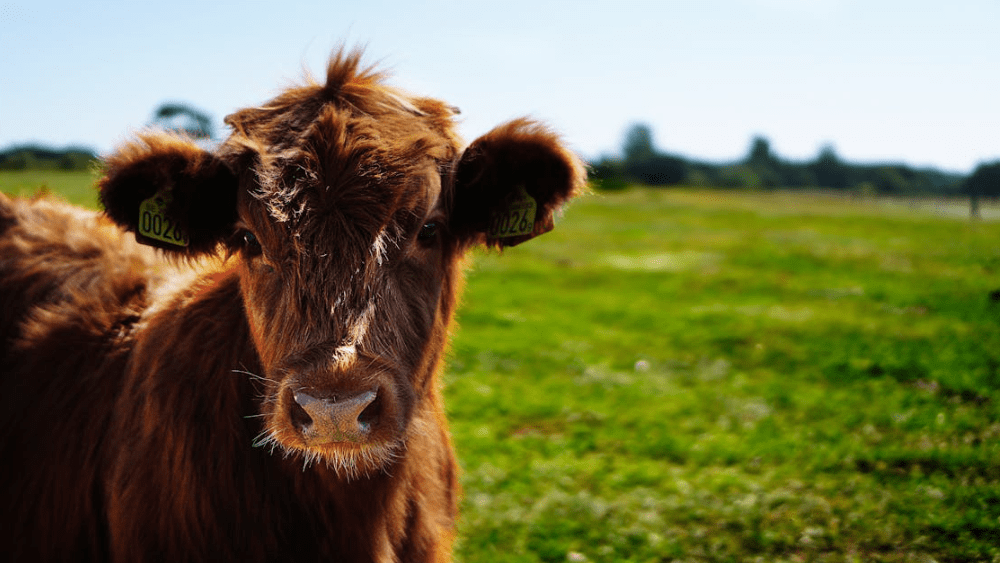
x,y
272,394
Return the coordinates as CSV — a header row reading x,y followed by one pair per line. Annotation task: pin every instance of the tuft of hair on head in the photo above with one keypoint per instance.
x,y
345,70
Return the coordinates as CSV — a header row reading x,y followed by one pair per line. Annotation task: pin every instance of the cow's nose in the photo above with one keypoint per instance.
x,y
335,419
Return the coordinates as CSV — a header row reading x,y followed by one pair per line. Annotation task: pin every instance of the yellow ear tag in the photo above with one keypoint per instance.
x,y
154,222
517,219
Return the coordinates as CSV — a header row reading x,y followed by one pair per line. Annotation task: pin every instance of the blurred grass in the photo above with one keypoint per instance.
x,y
683,375
75,187
722,376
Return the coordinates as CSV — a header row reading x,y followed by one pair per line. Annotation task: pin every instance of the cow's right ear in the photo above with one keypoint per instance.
x,y
171,193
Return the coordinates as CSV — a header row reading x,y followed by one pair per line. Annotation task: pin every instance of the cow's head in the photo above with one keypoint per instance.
x,y
347,207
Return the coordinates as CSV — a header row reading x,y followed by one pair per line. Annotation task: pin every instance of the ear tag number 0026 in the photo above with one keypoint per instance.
x,y
154,222
517,219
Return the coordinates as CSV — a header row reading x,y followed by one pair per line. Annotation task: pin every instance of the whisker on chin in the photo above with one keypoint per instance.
x,y
349,465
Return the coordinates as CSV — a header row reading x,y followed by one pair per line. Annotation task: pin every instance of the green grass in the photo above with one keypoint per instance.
x,y
679,375
714,376
75,187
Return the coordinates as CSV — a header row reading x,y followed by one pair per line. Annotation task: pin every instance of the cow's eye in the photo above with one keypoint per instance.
x,y
250,243
428,232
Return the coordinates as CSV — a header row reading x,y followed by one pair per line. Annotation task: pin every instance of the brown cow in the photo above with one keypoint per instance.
x,y
266,386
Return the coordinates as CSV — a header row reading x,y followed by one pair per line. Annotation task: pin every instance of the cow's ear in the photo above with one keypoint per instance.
x,y
509,183
171,193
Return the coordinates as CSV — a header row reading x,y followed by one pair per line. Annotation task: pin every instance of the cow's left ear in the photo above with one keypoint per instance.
x,y
171,193
509,183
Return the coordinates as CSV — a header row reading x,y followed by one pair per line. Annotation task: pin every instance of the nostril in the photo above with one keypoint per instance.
x,y
369,417
300,418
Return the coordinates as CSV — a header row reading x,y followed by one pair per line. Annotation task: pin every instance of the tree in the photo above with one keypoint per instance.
x,y
658,170
760,153
183,118
647,165
39,157
892,180
639,143
984,182
762,167
830,172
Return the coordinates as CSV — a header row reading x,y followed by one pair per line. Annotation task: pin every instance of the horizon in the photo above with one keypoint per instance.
x,y
901,82
616,155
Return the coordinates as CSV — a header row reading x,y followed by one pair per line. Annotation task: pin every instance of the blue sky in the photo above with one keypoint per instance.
x,y
880,80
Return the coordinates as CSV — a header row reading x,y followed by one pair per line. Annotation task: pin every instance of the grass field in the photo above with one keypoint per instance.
x,y
715,376
76,187
720,376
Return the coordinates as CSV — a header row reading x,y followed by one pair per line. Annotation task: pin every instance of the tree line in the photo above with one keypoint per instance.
x,y
38,157
641,162
171,116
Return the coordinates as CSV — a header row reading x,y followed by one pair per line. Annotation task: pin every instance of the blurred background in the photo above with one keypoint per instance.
x,y
865,82
771,333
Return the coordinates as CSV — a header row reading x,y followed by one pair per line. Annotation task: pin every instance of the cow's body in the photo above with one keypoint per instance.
x,y
273,393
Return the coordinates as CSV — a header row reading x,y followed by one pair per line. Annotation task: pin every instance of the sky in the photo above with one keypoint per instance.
x,y
909,81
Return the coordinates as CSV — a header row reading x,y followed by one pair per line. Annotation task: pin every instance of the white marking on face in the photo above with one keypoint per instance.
x,y
344,355
378,247
359,328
